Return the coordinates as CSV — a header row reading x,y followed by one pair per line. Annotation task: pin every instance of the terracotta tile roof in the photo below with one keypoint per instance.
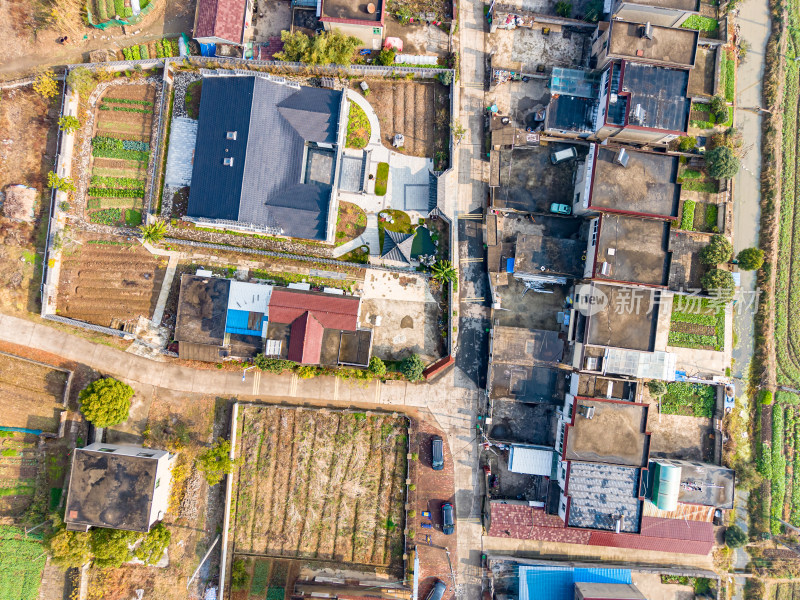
x,y
332,312
663,535
305,340
220,18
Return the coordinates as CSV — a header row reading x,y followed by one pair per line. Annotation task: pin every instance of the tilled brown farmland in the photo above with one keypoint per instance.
x,y
104,281
320,484
411,108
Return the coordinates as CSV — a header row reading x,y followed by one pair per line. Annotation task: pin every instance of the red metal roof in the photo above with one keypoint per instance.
x,y
223,19
305,340
332,312
663,535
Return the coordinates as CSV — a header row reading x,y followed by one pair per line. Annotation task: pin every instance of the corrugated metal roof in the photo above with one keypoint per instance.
x,y
249,297
558,583
530,461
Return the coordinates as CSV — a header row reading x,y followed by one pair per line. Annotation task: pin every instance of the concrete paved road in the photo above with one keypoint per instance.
x,y
753,20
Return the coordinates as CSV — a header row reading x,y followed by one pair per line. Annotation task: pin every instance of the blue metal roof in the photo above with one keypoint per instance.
x,y
558,583
237,323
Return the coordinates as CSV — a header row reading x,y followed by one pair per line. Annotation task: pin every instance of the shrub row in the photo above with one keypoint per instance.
x,y
136,155
97,192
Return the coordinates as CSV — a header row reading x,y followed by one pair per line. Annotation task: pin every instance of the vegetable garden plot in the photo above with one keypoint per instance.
x,y
124,128
22,560
320,484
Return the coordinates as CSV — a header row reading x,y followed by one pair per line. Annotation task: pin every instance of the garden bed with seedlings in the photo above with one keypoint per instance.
x,y
120,155
320,484
108,280
420,111
697,325
351,222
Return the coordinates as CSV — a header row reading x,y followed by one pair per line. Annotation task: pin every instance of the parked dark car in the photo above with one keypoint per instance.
x,y
437,591
448,524
437,453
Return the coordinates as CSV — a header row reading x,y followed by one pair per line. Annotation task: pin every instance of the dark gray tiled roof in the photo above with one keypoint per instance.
x,y
275,123
600,493
397,246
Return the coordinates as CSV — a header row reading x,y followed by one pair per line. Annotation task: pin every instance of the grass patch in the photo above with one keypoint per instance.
x,y
358,129
692,399
133,218
350,223
712,211
710,186
381,179
729,75
704,24
357,255
21,563
258,586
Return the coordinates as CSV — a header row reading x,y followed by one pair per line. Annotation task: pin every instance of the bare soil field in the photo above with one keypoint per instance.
x,y
104,281
320,484
420,111
31,395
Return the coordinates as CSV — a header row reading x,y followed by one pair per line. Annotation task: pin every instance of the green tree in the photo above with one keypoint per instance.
x,y
718,251
458,130
329,47
69,548
153,232
377,367
68,123
722,163
719,109
45,84
656,388
81,80
687,143
443,270
750,259
719,282
564,9
766,397
63,184
216,462
106,402
386,57
412,367
152,547
111,547
735,537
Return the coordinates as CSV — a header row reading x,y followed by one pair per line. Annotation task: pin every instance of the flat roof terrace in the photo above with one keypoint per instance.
x,y
634,250
616,326
352,9
669,45
645,187
614,435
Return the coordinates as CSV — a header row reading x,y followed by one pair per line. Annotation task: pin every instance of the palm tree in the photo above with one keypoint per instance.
x,y
443,270
153,232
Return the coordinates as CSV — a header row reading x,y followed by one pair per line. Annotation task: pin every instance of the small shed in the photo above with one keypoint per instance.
x,y
19,202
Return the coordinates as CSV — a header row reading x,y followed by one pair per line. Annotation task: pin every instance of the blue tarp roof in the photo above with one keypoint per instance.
x,y
237,323
558,583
